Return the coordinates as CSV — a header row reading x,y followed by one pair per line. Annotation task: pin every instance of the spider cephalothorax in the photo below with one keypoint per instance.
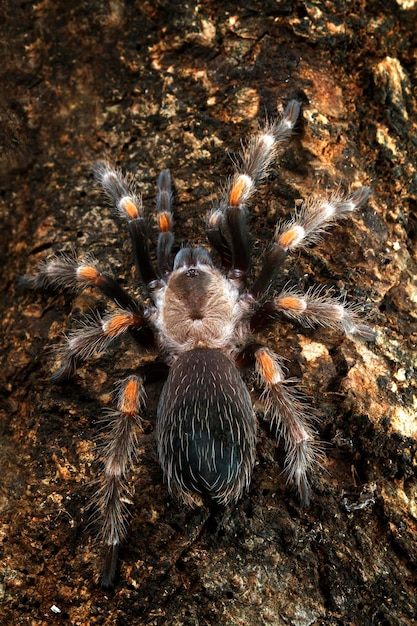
x,y
202,322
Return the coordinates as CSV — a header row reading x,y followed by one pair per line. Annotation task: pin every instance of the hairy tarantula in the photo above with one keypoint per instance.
x,y
203,323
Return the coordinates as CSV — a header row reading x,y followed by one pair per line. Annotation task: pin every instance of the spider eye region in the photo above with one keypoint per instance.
x,y
192,288
192,272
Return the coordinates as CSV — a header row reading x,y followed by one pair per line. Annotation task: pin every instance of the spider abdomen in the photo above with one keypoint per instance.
x,y
206,428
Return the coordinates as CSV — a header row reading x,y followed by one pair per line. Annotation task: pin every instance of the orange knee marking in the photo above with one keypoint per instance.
x,y
117,324
88,273
291,237
164,222
238,190
130,208
129,402
292,303
266,366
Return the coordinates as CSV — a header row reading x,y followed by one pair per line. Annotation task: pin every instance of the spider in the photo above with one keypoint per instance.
x,y
203,322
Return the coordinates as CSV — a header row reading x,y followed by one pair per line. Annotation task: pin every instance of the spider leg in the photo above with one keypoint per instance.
x,y
315,215
117,452
129,205
96,335
314,308
67,272
288,417
218,240
305,227
271,265
164,219
255,160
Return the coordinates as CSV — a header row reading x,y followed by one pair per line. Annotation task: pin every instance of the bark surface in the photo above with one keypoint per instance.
x,y
150,85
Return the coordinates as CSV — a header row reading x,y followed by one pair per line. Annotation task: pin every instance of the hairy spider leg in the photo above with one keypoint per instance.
x,y
316,307
218,240
68,272
165,221
305,227
250,170
129,206
118,450
287,415
96,333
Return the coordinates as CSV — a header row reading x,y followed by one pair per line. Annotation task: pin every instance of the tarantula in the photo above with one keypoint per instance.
x,y
203,321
